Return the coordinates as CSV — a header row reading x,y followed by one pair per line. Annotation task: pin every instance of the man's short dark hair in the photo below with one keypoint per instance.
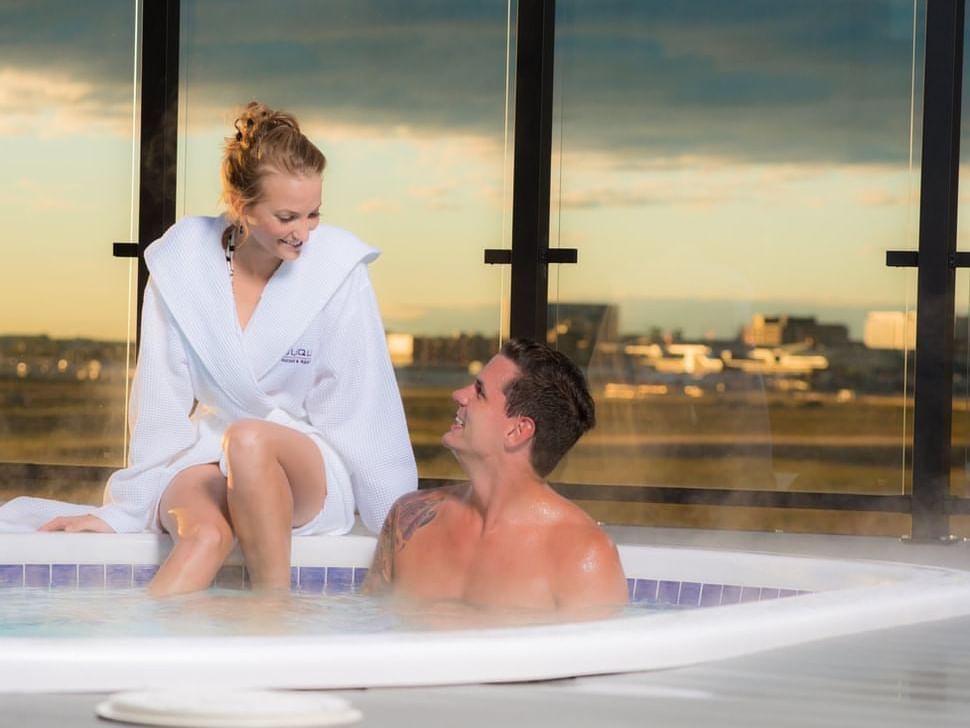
x,y
551,390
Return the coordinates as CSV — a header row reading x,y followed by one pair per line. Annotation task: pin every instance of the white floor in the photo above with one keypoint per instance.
x,y
910,676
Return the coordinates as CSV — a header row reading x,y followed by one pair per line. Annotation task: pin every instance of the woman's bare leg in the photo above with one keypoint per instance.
x,y
193,510
276,482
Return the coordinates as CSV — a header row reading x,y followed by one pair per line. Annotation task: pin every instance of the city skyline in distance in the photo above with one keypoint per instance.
x,y
688,319
695,318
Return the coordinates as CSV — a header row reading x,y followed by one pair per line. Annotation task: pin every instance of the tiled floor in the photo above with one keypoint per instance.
x,y
910,676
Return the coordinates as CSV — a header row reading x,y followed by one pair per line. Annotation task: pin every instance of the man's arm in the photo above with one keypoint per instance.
x,y
409,513
380,575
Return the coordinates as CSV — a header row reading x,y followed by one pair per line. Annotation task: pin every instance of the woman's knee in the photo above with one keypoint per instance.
x,y
210,536
246,441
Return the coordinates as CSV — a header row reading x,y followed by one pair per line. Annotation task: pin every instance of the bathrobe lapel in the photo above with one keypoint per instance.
x,y
189,270
297,292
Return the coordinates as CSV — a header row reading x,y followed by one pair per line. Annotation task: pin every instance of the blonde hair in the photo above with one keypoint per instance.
x,y
266,141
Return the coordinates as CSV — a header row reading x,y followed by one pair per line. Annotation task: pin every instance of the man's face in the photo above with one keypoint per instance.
x,y
480,424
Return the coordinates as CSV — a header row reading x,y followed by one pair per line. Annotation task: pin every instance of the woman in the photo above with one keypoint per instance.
x,y
264,403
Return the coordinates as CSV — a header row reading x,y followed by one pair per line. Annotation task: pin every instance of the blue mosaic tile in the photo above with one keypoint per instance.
x,y
11,575
690,594
230,577
141,574
711,595
750,594
646,591
337,580
668,592
90,576
117,576
340,580
730,594
63,575
37,575
313,579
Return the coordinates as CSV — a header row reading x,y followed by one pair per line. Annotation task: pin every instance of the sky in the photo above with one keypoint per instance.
x,y
711,160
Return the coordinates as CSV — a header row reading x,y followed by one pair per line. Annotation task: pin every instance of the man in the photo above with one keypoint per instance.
x,y
505,540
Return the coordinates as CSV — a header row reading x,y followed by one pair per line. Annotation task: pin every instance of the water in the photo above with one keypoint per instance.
x,y
213,613
226,612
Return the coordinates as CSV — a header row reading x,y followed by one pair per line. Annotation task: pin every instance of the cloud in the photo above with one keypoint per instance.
x,y
756,80
881,198
437,197
36,196
378,205
42,104
640,196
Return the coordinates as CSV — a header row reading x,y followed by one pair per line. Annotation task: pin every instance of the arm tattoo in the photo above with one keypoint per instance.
x,y
406,517
416,513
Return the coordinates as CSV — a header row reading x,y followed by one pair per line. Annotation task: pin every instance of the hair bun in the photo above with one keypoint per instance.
x,y
256,120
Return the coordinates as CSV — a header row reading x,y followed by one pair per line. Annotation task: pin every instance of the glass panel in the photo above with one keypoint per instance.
x,y
732,175
960,465
409,103
68,141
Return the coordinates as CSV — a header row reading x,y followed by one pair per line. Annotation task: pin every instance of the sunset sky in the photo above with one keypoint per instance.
x,y
711,159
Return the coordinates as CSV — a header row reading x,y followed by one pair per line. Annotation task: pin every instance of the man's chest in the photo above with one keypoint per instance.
x,y
490,572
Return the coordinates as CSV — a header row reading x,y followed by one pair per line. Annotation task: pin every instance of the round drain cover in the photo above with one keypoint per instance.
x,y
229,708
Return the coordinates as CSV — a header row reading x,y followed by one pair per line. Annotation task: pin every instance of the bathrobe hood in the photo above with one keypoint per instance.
x,y
192,278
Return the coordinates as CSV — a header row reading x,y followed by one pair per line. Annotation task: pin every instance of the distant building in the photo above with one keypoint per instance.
x,y
776,361
890,330
576,329
779,330
693,359
401,349
41,357
452,352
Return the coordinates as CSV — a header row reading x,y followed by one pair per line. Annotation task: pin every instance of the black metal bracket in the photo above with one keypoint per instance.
x,y
561,255
502,256
124,250
498,256
910,259
902,258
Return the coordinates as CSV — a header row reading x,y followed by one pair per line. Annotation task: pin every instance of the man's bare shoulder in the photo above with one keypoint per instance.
x,y
563,513
587,540
588,569
409,514
418,508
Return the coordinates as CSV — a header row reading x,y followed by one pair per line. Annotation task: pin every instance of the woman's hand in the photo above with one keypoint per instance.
x,y
76,524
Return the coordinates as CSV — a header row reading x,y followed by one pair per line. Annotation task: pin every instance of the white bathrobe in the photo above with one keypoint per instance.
x,y
313,357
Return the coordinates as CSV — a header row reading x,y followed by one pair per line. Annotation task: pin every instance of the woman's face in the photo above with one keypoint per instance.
x,y
281,221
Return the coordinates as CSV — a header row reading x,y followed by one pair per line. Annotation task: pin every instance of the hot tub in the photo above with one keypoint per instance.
x,y
729,603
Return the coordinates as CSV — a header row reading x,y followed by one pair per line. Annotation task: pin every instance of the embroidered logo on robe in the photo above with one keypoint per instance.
x,y
297,355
